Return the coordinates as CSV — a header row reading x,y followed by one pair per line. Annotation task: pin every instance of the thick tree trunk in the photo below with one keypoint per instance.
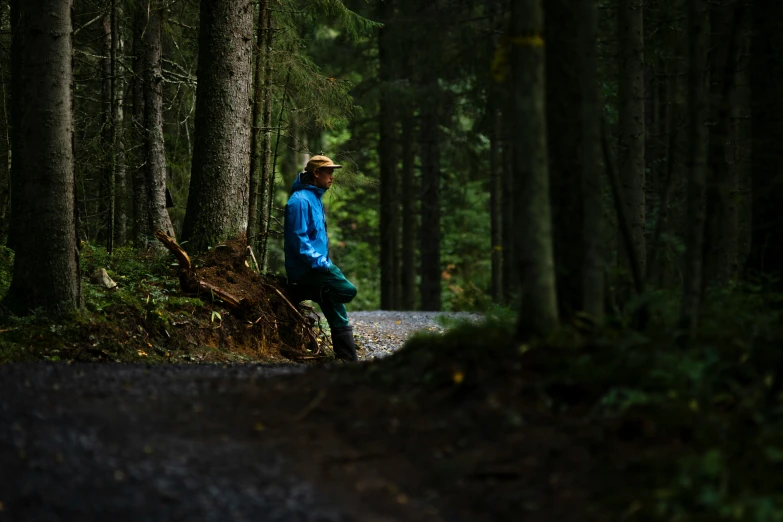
x,y
698,108
219,184
722,232
429,146
153,127
564,124
138,135
408,276
631,127
766,76
593,284
538,300
387,163
46,265
496,202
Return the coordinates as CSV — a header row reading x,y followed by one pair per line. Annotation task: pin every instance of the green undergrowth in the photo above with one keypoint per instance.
x,y
144,319
695,428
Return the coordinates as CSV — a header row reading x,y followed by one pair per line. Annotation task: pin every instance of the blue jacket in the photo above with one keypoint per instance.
x,y
306,241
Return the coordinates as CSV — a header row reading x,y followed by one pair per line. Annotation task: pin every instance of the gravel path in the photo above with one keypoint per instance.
x,y
381,333
170,442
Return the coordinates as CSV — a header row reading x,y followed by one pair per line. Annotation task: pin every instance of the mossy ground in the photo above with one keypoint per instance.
x,y
146,318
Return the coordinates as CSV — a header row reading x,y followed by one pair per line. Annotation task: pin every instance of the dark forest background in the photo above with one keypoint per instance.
x,y
570,157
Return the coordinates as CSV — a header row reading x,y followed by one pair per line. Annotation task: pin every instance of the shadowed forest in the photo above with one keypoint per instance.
x,y
587,194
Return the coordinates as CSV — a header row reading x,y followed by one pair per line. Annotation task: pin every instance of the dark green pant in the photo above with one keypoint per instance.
x,y
334,290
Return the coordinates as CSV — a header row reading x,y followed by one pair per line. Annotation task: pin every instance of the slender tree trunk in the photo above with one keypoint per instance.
x,y
564,114
256,148
508,228
766,77
593,283
538,300
46,265
694,262
5,136
18,203
387,160
138,134
429,146
122,210
106,189
631,127
153,127
408,214
495,203
219,184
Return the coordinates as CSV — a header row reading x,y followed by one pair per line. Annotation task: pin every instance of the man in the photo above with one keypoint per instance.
x,y
311,274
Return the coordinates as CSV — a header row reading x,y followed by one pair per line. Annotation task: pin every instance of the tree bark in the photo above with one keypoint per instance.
x,y
722,232
408,213
218,199
18,204
766,77
46,265
593,284
153,127
387,160
698,108
267,178
429,146
122,210
256,146
138,134
538,300
564,125
631,113
496,202
5,137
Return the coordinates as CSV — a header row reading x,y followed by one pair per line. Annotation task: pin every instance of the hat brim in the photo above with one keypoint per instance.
x,y
332,166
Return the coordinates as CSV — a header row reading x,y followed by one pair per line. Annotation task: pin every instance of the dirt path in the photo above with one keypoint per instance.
x,y
119,442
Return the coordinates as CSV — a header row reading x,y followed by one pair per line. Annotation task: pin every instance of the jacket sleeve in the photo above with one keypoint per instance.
x,y
297,214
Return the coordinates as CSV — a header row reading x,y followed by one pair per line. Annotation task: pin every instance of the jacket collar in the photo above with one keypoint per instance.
x,y
298,185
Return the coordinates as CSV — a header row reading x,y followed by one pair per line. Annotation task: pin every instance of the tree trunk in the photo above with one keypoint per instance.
x,y
408,214
496,202
46,265
631,113
122,210
508,229
766,78
219,184
267,167
722,232
387,162
538,300
138,134
593,283
106,189
429,146
256,144
18,90
5,137
153,127
564,114
694,255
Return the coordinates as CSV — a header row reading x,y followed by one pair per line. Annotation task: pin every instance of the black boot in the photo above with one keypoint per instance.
x,y
344,346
